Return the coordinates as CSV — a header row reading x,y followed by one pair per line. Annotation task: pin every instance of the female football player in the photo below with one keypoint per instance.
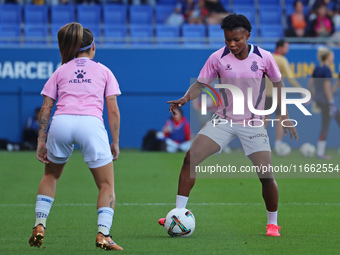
x,y
320,86
80,85
242,65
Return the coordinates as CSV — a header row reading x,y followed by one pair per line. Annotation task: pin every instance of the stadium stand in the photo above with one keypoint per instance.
x,y
36,34
141,14
62,14
115,34
263,3
250,13
54,34
215,35
120,23
89,15
270,15
143,33
271,31
36,14
163,12
9,34
166,34
10,14
114,15
193,35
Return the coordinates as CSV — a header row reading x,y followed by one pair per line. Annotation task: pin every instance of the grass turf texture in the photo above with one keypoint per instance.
x,y
308,211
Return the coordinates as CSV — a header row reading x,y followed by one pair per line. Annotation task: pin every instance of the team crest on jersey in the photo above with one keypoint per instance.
x,y
228,67
80,77
254,67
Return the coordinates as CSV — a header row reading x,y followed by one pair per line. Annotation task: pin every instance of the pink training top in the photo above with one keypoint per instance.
x,y
81,86
249,72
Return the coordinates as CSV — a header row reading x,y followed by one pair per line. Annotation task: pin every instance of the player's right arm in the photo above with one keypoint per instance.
x,y
44,119
114,123
192,93
207,75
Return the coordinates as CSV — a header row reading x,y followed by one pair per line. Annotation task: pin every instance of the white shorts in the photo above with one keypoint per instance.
x,y
88,132
253,139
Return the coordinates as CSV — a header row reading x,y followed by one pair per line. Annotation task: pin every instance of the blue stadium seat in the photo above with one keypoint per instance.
x,y
141,34
115,34
10,14
13,32
89,15
114,14
216,36
62,14
269,2
289,10
54,33
244,2
96,31
271,15
253,35
272,31
249,12
168,2
193,34
141,14
163,12
167,32
36,14
36,34
289,2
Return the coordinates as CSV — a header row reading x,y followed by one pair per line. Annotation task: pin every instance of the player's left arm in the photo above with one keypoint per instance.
x,y
290,127
114,123
44,120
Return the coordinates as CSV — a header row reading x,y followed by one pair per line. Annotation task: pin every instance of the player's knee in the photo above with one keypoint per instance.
x,y
187,158
106,185
267,181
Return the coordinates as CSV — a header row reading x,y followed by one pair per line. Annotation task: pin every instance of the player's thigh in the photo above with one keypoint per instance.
x,y
219,131
92,138
262,159
201,148
60,138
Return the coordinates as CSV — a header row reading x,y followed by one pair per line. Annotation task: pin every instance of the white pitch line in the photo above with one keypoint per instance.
x,y
190,204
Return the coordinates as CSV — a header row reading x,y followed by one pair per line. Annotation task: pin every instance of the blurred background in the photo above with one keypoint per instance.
x,y
154,48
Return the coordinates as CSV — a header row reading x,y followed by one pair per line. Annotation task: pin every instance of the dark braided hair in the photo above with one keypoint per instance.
x,y
235,21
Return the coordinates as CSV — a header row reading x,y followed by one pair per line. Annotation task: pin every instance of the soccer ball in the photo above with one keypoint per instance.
x,y
283,149
307,150
180,222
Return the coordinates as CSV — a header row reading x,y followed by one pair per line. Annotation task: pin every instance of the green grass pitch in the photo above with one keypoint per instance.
x,y
230,213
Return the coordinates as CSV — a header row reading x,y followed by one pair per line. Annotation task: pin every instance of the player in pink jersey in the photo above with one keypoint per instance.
x,y
244,66
80,85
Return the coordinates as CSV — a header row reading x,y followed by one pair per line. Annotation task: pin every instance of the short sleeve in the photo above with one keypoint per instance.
x,y
112,86
51,87
208,73
271,69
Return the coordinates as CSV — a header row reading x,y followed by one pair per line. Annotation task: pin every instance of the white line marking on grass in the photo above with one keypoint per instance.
x,y
190,204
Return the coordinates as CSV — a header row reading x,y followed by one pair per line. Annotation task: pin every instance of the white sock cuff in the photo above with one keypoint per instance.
x,y
181,201
43,198
107,210
272,217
